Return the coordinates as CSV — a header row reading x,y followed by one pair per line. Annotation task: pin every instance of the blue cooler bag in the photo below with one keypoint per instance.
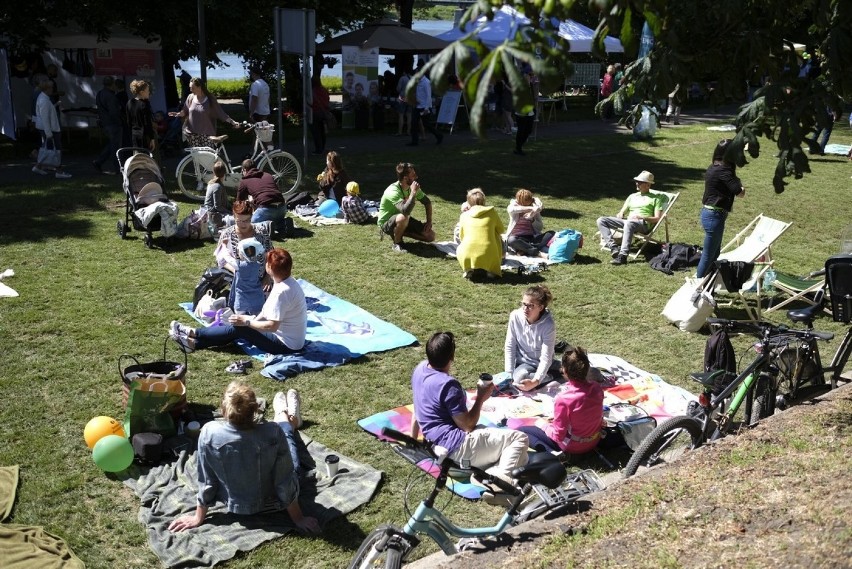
x,y
564,245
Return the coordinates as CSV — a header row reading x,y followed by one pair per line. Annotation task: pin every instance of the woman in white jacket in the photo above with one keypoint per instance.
x,y
526,233
531,340
47,122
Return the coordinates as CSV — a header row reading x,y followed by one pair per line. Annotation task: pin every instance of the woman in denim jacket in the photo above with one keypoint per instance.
x,y
247,463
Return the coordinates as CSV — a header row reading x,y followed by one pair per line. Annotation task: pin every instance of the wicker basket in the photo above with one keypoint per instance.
x,y
159,370
264,133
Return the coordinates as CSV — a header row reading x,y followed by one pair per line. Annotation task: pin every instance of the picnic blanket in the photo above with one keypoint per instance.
x,y
6,290
170,490
338,331
510,262
840,149
623,383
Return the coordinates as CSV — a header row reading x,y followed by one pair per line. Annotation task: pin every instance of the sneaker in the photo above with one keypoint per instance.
x,y
294,407
279,405
614,251
619,260
38,170
397,248
240,367
497,499
62,175
185,342
176,329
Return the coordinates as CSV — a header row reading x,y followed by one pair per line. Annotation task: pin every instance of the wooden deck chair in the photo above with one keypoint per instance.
x,y
671,198
803,289
754,245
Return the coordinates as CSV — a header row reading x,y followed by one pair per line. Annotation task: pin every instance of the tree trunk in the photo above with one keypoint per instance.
x,y
406,12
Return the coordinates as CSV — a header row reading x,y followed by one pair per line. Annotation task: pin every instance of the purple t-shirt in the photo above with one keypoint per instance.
x,y
437,397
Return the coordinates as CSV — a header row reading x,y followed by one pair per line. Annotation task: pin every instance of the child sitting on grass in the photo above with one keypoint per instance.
x,y
353,206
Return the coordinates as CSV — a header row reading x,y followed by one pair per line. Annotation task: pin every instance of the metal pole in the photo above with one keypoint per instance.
x,y
278,77
306,91
202,42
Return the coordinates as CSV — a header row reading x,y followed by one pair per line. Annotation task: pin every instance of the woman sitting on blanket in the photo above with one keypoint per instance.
x,y
526,233
251,281
280,327
577,411
530,341
332,182
247,463
481,247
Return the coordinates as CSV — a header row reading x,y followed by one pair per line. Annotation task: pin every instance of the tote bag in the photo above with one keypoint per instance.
x,y
49,157
564,245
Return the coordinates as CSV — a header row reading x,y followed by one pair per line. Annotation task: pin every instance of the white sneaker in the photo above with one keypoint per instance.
x,y
176,329
185,342
397,247
37,170
294,407
62,175
279,405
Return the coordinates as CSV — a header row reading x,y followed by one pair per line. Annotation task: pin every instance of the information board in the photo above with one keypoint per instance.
x,y
585,74
449,107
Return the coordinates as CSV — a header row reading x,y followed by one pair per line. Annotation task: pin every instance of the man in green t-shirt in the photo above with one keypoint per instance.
x,y
640,212
396,206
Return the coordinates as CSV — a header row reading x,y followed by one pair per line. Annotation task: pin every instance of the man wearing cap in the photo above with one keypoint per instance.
x,y
639,214
396,206
353,206
264,193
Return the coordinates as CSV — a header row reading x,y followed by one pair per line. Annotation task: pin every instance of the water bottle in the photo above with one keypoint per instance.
x,y
768,279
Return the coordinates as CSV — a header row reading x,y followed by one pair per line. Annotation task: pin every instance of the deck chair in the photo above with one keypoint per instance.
x,y
754,245
803,289
645,239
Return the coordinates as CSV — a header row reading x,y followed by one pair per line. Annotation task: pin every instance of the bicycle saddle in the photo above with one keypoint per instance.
x,y
543,468
218,139
805,315
708,378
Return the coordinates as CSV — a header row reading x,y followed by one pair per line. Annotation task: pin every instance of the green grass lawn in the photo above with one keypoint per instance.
x,y
87,298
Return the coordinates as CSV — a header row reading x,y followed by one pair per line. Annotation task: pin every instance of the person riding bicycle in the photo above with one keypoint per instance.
x,y
440,409
268,200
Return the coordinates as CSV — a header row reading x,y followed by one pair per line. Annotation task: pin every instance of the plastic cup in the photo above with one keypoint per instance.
x,y
193,428
332,463
485,379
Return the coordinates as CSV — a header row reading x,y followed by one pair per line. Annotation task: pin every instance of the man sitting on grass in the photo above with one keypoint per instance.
x,y
396,206
440,408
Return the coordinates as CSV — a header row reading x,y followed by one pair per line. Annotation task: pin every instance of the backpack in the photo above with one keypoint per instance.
x,y
676,256
217,281
719,354
563,246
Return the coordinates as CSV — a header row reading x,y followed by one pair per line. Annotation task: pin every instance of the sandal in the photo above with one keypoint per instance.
x,y
239,367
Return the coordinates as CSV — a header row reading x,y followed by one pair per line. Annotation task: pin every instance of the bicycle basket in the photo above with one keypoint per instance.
x,y
264,133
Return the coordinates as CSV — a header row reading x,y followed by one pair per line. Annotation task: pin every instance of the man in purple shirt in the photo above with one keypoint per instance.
x,y
440,409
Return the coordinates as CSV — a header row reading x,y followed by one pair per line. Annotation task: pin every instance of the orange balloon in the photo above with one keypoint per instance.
x,y
99,427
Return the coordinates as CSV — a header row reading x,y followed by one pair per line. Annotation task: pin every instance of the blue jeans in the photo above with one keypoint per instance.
x,y
713,222
539,439
223,335
274,213
107,155
290,435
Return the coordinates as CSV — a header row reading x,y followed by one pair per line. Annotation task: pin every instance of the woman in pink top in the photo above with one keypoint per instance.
x,y
577,411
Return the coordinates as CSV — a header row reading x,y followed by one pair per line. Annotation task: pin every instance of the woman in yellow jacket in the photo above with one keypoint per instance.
x,y
481,246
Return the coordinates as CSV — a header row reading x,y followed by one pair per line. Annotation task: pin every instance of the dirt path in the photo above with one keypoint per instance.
x,y
779,495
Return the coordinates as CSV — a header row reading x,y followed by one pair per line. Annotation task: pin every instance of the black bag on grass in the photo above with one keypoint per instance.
x,y
214,279
719,354
676,256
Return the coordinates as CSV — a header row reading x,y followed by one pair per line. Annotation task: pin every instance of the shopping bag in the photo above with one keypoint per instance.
x,y
49,157
691,304
149,406
564,246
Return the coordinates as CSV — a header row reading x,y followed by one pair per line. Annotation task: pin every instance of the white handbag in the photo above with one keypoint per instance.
x,y
207,304
691,304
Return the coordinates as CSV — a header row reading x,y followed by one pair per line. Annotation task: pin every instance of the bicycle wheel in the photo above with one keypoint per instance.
x,y
384,547
795,372
668,442
193,173
764,398
284,168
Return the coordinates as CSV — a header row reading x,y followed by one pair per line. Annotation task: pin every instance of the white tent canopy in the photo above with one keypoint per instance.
x,y
507,20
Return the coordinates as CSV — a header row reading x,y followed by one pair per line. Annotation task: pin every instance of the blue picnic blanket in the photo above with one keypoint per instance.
x,y
338,331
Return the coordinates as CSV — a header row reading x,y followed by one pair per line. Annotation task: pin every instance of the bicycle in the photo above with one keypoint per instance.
x,y
196,169
712,416
546,485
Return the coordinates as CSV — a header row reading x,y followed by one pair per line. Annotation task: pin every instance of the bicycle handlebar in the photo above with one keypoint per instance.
x,y
768,329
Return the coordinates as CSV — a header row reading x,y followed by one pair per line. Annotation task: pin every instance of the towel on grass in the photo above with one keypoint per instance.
x,y
170,491
338,331
839,149
623,383
510,262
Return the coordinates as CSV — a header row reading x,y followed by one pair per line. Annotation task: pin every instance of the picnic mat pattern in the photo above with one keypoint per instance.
x,y
623,383
338,331
510,262
170,491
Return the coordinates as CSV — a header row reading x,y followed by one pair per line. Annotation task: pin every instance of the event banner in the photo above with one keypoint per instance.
x,y
126,62
360,78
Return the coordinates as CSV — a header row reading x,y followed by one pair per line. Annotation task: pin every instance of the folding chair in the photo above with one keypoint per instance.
x,y
804,289
754,245
671,198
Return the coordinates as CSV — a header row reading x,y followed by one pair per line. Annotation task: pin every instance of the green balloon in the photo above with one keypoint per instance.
x,y
113,453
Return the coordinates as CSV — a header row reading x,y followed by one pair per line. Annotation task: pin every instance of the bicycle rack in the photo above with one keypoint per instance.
x,y
577,484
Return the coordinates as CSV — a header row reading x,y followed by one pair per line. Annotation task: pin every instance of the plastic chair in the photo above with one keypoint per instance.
x,y
804,289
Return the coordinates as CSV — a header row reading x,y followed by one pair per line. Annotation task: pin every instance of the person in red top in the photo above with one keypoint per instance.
x,y
577,411
268,200
319,111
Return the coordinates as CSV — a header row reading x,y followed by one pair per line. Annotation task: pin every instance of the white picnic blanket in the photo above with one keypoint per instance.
x,y
510,262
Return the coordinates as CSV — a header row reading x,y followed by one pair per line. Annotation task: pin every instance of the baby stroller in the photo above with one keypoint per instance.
x,y
147,207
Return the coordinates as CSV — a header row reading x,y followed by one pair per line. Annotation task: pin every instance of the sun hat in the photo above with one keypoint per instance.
x,y
645,176
353,188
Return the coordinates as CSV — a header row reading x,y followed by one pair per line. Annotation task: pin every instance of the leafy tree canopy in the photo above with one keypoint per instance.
x,y
729,44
